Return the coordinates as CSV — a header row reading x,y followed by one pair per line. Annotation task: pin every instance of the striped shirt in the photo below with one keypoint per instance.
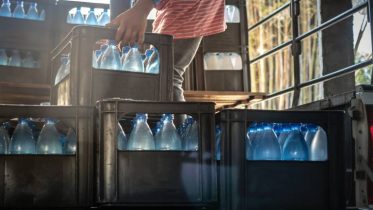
x,y
185,19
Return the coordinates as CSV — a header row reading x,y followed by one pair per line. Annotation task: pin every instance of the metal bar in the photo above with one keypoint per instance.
x,y
244,43
271,15
273,50
332,21
296,49
370,19
336,74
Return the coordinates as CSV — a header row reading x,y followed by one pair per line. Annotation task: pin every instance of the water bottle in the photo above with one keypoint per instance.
x,y
69,18
32,12
3,58
153,63
61,73
15,59
78,17
42,15
284,134
4,140
148,53
232,14
141,137
267,146
28,61
168,138
310,133
104,18
121,138
5,9
95,58
319,146
191,137
295,147
211,61
91,18
125,51
224,61
49,139
110,58
19,11
22,141
70,142
218,142
133,61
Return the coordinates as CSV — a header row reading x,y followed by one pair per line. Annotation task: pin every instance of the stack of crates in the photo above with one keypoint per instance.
x,y
26,36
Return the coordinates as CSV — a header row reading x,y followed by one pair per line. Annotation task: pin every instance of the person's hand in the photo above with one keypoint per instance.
x,y
132,23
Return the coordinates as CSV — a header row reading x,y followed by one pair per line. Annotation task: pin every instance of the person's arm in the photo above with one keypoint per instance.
x,y
132,23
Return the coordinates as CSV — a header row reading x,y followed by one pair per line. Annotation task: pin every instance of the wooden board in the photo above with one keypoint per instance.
x,y
23,93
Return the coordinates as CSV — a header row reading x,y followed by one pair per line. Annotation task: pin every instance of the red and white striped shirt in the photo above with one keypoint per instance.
x,y
185,19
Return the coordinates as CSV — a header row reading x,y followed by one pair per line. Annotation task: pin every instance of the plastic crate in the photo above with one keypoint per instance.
x,y
29,31
85,85
49,181
254,184
155,178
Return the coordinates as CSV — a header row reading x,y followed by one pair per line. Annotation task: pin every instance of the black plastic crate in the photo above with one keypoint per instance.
x,y
155,178
249,184
49,181
85,84
29,31
61,28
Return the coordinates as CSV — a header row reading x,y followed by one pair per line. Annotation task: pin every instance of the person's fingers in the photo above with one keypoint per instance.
x,y
126,37
141,37
120,33
113,23
132,38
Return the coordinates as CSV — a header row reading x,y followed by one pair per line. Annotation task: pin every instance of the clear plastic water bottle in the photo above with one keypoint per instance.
x,y
61,73
5,9
295,147
225,61
168,137
19,11
191,137
148,53
267,146
319,146
104,18
218,142
111,57
91,17
310,133
285,131
42,15
141,137
49,139
3,58
122,140
4,140
22,141
78,17
32,13
69,18
125,51
153,63
133,61
70,142
95,56
28,61
15,59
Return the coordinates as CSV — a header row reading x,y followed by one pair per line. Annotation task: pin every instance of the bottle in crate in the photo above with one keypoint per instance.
x,y
168,138
104,18
319,146
5,9
22,141
32,12
133,61
311,130
4,140
64,68
153,62
28,61
19,11
141,137
48,140
78,17
15,59
110,58
70,143
91,17
122,138
3,58
191,135
295,147
267,146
